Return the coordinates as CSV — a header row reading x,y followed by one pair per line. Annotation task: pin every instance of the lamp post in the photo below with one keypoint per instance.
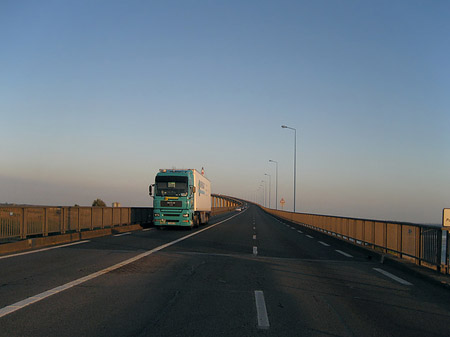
x,y
270,184
265,189
276,183
295,157
263,199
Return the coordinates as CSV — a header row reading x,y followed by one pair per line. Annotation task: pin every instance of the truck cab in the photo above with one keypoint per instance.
x,y
177,199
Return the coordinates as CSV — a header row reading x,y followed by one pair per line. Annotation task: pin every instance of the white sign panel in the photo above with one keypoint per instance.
x,y
446,217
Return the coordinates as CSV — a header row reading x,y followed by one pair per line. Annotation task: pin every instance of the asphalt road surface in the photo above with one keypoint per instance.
x,y
246,274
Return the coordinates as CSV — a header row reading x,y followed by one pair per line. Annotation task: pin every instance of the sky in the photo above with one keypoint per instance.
x,y
97,96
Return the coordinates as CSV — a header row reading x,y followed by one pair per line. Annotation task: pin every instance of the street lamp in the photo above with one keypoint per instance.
x,y
270,184
276,183
265,189
295,156
263,197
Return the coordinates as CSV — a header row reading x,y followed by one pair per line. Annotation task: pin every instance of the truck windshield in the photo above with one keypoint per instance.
x,y
171,186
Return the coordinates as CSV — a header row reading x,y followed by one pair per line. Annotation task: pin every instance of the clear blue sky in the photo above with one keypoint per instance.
x,y
96,96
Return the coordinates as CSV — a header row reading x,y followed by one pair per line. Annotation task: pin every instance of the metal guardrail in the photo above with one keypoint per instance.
x,y
21,222
223,203
422,244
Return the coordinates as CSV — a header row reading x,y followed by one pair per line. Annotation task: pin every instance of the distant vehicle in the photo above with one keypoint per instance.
x,y
238,209
181,198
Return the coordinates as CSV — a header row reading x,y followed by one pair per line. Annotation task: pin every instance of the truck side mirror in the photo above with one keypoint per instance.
x,y
150,190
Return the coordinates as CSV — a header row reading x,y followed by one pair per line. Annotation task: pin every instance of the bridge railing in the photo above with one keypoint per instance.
x,y
223,203
419,243
25,221
21,222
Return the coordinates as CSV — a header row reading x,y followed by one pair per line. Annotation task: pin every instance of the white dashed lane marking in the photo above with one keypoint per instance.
x,y
343,253
392,276
122,234
261,310
44,249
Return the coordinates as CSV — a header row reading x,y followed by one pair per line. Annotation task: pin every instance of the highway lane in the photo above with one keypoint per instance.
x,y
26,274
213,284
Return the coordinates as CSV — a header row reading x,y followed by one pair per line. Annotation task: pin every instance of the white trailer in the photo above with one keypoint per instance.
x,y
202,197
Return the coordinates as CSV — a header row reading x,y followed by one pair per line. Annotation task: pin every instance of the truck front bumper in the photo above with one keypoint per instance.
x,y
172,219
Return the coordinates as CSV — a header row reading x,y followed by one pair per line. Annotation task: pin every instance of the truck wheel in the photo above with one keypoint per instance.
x,y
204,219
196,221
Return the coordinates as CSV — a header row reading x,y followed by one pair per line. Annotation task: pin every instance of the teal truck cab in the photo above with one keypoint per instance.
x,y
181,198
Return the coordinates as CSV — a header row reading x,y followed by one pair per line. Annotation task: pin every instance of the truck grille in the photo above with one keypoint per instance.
x,y
170,203
171,214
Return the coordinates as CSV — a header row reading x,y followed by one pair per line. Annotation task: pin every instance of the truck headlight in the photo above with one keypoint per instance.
x,y
185,215
156,214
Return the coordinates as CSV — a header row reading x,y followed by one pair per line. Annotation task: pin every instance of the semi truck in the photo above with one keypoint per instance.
x,y
180,198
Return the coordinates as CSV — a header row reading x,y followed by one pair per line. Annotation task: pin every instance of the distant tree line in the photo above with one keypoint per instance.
x,y
98,202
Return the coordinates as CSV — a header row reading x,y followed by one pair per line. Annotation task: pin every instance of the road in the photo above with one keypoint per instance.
x,y
246,274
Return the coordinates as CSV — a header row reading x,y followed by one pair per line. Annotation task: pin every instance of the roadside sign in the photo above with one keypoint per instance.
x,y
446,217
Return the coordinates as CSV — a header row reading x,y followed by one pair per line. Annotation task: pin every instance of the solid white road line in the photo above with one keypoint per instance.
x,y
44,249
122,234
343,253
255,250
33,299
324,244
309,236
147,229
392,276
261,310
